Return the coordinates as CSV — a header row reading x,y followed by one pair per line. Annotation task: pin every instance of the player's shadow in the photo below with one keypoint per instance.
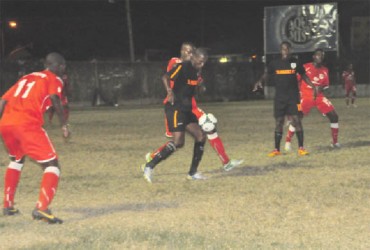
x,y
357,144
93,212
248,170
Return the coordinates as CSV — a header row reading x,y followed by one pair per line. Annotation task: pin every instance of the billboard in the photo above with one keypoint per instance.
x,y
306,27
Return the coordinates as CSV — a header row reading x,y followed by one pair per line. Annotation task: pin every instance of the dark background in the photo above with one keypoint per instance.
x,y
82,30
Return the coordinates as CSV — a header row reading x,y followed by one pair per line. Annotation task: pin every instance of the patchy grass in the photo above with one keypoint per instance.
x,y
316,202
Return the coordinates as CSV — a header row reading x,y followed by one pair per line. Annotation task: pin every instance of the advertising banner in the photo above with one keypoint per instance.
x,y
306,27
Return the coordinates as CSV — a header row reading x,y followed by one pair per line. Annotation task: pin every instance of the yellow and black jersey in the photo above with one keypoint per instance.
x,y
283,75
185,78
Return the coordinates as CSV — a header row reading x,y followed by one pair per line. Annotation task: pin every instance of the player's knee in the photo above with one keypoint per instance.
x,y
52,163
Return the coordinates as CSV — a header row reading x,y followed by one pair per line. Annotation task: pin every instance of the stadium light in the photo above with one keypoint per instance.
x,y
224,59
12,24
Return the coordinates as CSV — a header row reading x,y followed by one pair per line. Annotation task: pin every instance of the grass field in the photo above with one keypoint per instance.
x,y
321,201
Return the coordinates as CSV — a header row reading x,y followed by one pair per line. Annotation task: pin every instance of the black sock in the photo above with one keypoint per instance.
x,y
300,138
278,136
197,156
162,155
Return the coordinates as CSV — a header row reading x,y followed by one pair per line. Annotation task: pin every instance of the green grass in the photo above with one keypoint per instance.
x,y
321,201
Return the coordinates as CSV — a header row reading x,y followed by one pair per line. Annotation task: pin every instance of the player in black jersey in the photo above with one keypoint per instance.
x,y
282,72
179,114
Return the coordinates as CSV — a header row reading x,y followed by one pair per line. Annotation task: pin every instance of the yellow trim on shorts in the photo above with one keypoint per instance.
x,y
175,119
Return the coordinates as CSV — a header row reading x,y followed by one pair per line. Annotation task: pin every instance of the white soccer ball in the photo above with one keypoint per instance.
x,y
207,122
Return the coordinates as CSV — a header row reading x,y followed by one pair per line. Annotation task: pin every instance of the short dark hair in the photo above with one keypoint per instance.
x,y
319,50
288,44
200,52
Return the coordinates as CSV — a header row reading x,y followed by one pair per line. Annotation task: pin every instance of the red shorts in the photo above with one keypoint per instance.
x,y
321,103
32,141
350,89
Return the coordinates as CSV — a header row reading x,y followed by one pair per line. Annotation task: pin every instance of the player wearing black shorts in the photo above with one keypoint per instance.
x,y
179,114
283,72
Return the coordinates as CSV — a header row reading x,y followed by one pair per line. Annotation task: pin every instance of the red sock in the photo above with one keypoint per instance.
x,y
158,150
290,134
218,146
48,188
12,176
334,132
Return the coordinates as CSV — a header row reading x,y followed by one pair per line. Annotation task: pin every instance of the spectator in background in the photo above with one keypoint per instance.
x,y
349,84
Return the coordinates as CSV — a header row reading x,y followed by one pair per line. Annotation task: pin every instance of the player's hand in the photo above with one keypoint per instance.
x,y
257,86
66,132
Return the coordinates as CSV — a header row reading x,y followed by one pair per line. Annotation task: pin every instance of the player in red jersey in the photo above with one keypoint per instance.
x,y
186,52
319,76
349,82
21,119
64,100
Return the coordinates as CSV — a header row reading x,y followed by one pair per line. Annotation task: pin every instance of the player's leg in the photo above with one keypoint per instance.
x,y
327,108
66,111
354,94
11,180
279,114
334,127
42,151
13,171
347,96
176,125
278,134
297,111
199,140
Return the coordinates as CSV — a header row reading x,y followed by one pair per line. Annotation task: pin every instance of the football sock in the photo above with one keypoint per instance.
x,y
48,187
218,146
278,136
334,132
290,133
162,153
300,138
12,175
197,156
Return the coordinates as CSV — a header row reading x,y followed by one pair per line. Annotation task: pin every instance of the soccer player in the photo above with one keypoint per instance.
x,y
214,139
64,100
286,101
349,82
21,119
319,76
180,117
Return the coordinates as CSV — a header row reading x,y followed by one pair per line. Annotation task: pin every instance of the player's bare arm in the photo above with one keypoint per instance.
x,y
59,111
260,83
166,83
308,81
2,107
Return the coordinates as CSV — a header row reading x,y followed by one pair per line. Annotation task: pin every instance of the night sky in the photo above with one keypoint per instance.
x,y
82,30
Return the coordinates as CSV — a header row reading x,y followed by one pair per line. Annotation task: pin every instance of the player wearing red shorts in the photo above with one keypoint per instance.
x,y
318,74
213,137
349,81
21,112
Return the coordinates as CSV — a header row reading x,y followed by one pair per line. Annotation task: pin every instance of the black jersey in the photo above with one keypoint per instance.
x,y
185,78
283,74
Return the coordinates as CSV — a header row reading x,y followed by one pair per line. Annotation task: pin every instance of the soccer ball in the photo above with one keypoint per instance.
x,y
207,122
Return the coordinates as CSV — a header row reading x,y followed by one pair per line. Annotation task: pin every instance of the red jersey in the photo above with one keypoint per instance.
x,y
29,98
349,78
318,76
